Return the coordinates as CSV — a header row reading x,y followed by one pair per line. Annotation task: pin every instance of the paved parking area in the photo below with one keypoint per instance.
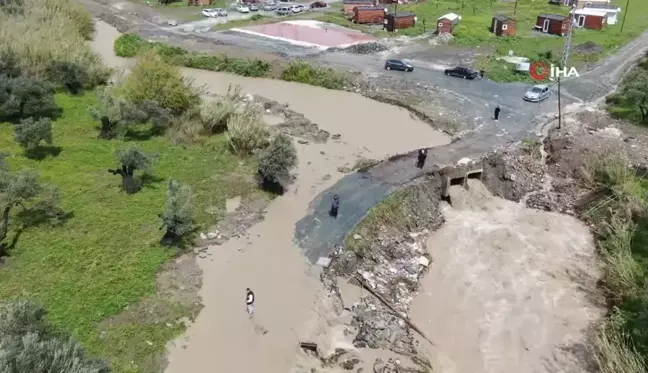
x,y
308,34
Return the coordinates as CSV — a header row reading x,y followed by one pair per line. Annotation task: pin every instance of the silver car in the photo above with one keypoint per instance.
x,y
537,93
221,12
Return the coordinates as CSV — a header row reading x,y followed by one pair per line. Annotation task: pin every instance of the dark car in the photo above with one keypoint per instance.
x,y
398,65
318,4
462,72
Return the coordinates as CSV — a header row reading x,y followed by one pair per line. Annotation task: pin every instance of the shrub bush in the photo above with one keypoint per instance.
x,y
304,72
70,75
238,66
215,114
246,132
177,219
152,79
129,45
276,161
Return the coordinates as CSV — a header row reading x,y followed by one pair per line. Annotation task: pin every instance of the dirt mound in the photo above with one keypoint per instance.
x,y
473,196
363,48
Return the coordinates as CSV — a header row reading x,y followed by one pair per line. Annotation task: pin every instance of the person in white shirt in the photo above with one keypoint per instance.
x,y
249,301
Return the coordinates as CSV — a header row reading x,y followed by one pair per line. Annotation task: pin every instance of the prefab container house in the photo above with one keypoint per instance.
x,y
502,25
580,4
369,15
348,5
553,24
593,19
446,23
612,11
562,2
399,20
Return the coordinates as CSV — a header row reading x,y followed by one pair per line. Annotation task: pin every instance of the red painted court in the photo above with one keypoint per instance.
x,y
308,33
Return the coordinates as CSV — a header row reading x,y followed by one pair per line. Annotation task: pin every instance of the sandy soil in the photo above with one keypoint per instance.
x,y
288,294
511,289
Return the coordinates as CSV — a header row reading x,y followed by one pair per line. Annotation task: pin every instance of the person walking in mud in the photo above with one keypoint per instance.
x,y
335,206
497,112
422,156
249,301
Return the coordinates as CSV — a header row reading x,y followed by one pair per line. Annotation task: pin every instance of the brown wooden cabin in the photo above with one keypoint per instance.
x,y
553,24
369,15
503,25
399,20
349,5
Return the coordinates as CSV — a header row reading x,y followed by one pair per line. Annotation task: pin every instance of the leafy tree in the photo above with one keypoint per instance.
x,y
152,79
23,97
69,74
178,217
115,113
131,159
29,345
635,92
24,190
31,132
276,161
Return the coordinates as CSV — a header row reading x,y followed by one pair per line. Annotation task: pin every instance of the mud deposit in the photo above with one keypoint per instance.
x,y
510,289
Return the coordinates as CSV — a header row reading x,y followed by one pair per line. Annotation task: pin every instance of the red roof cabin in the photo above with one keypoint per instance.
x,y
200,2
590,18
447,23
503,25
349,5
400,20
553,24
374,15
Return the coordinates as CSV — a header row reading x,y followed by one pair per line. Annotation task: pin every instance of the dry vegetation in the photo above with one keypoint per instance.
x,y
38,33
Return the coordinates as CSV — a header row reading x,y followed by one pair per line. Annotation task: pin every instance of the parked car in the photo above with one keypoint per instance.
x,y
296,8
284,10
318,4
462,72
270,7
537,93
402,65
253,8
221,12
242,8
172,22
210,13
301,7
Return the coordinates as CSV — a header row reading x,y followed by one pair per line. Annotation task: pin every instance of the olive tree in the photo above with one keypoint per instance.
x,y
635,91
22,97
177,219
276,161
115,113
24,191
31,132
131,159
69,74
29,345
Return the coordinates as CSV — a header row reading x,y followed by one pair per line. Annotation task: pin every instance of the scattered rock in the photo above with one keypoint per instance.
x,y
357,237
304,142
444,38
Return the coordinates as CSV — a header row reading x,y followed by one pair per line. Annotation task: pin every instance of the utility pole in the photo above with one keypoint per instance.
x,y
515,8
395,13
563,63
624,15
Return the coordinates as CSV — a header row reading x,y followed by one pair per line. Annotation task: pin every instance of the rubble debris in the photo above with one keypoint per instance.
x,y
309,346
444,38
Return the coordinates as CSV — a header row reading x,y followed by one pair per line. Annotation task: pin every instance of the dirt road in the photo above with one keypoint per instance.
x,y
511,289
288,293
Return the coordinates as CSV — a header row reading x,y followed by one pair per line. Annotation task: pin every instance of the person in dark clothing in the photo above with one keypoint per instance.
x,y
249,301
335,205
481,74
497,112
422,155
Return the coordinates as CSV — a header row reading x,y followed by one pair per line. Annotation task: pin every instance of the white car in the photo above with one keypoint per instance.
x,y
296,8
537,93
211,13
172,22
221,12
253,8
270,7
242,9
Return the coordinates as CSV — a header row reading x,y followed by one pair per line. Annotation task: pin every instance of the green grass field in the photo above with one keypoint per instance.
x,y
107,255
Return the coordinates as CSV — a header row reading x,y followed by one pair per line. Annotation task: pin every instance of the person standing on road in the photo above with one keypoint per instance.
x,y
335,205
422,155
497,112
481,74
249,301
